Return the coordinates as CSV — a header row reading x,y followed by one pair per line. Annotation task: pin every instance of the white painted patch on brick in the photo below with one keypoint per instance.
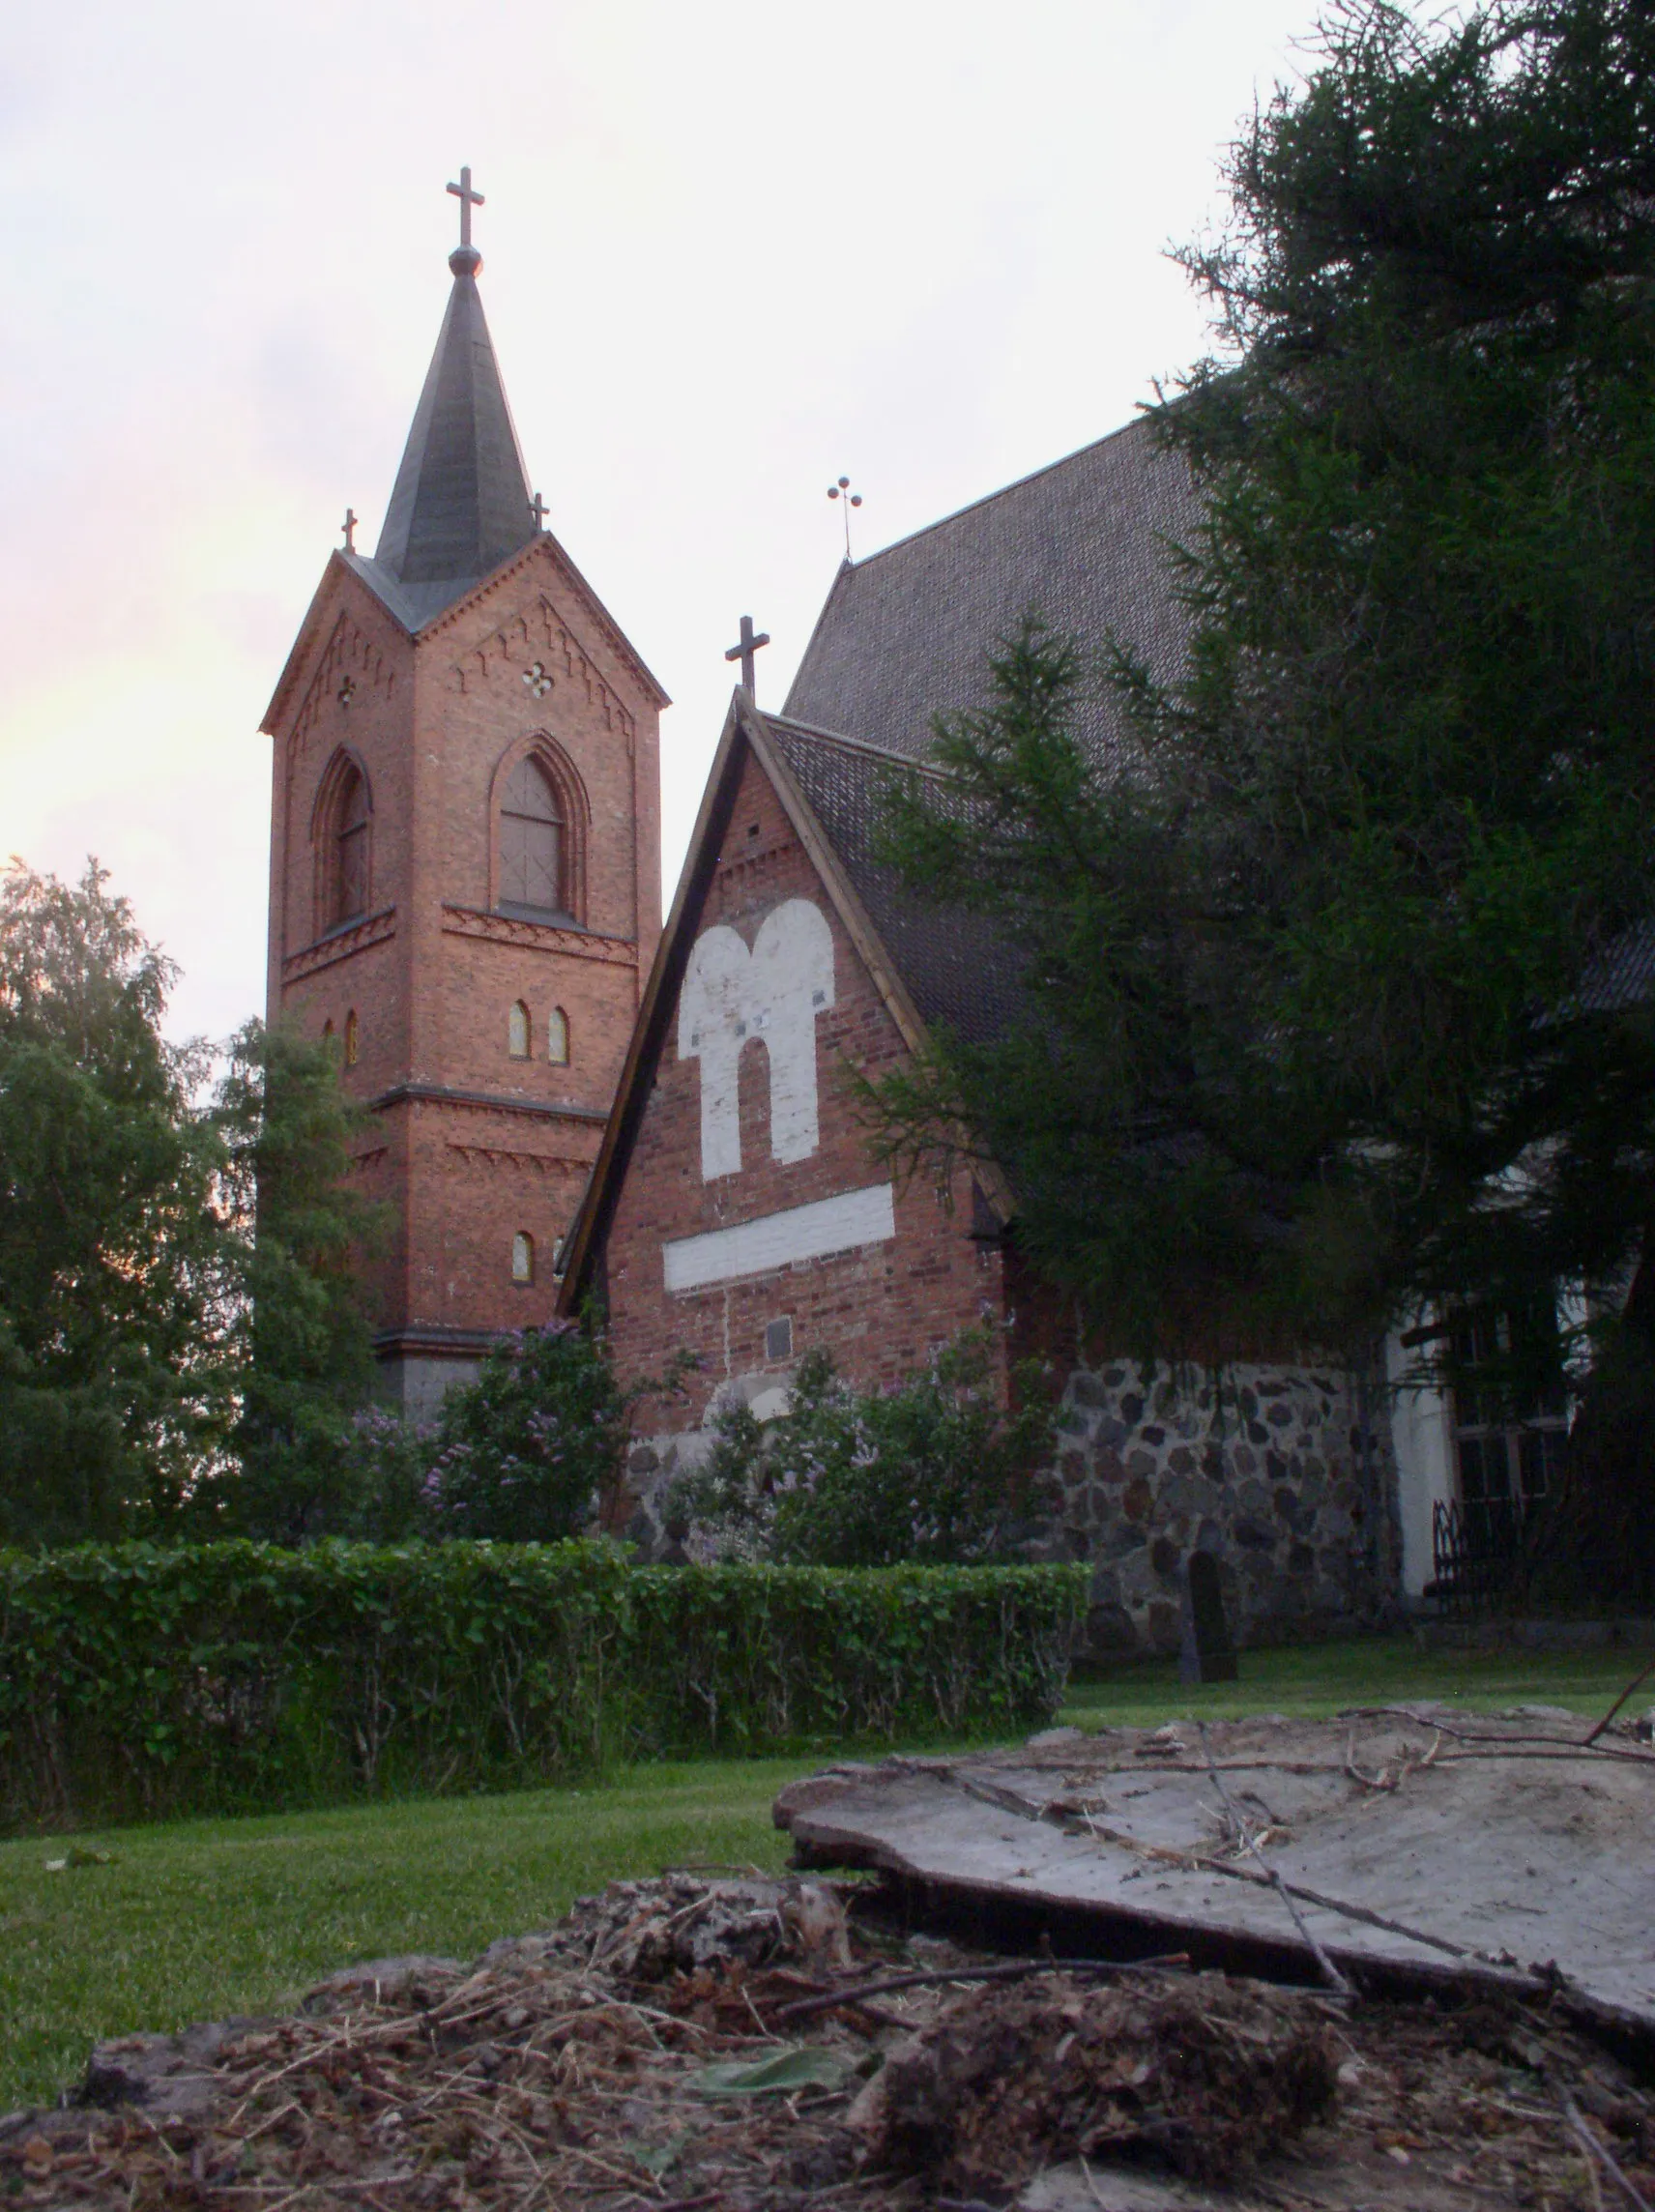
x,y
774,992
711,1028
777,1240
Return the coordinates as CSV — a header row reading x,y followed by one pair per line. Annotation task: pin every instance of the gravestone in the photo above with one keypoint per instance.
x,y
1207,1653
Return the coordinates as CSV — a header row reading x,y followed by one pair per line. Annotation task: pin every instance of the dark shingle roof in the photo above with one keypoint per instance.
x,y
957,969
1622,977
1082,543
460,505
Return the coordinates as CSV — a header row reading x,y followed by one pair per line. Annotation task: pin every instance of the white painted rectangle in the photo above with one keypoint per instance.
x,y
802,1233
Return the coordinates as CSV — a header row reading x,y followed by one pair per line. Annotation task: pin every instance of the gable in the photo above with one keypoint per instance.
x,y
746,1217
341,606
757,846
352,580
748,1102
543,571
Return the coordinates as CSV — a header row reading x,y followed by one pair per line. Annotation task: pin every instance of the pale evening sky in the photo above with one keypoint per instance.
x,y
731,250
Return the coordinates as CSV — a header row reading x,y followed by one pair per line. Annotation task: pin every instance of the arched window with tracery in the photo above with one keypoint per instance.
x,y
522,1257
342,838
557,1038
517,1031
531,842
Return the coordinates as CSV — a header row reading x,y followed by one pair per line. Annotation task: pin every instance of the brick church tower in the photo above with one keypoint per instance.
x,y
465,863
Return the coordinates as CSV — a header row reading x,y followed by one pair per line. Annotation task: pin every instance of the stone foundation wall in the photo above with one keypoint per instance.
x,y
652,1466
1286,1476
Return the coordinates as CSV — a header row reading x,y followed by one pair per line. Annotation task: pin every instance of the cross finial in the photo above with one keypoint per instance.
x,y
468,200
350,529
744,649
537,508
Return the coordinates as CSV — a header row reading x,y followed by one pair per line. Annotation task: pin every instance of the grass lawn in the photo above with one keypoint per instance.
x,y
1312,1680
197,1919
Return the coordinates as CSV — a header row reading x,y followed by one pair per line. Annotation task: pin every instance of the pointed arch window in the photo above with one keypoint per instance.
x,y
522,1257
557,1038
345,860
517,1031
532,843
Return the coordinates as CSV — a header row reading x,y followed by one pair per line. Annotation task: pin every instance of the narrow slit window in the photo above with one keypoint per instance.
x,y
517,1031
522,1257
531,842
557,1038
353,1038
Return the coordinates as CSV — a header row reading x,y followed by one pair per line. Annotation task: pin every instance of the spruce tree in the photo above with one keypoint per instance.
x,y
1334,976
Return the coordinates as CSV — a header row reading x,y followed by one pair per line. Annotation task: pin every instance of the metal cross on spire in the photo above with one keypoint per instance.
x,y
350,529
537,508
745,647
468,200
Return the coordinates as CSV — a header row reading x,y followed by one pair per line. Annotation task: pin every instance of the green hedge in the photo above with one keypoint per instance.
x,y
136,1682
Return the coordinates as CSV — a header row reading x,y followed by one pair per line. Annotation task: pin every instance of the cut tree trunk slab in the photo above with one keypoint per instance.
x,y
1421,1849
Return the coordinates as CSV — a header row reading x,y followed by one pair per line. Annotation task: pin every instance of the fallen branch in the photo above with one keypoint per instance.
x,y
1590,2144
1385,1780
1330,1973
1021,1971
1345,1910
1509,1745
1638,1679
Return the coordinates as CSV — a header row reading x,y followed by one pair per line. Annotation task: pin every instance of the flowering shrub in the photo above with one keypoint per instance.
x,y
936,1470
525,1452
523,1455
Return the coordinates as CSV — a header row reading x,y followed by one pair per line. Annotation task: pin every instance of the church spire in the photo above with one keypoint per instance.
x,y
461,501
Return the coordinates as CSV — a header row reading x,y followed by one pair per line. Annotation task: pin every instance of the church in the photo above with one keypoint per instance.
x,y
574,1108
737,1209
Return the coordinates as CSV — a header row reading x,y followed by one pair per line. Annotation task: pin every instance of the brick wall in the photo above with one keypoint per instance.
x,y
433,969
881,1308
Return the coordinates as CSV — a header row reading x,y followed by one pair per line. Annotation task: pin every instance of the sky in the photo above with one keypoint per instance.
x,y
732,252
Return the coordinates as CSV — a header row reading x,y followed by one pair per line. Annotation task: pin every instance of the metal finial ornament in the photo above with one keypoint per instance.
x,y
744,649
350,529
842,490
537,508
465,260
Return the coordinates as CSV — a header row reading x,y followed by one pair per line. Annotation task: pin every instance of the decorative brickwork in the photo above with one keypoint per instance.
x,y
341,944
432,970
880,1300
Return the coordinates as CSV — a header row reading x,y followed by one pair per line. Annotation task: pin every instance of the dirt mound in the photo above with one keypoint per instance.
x,y
745,2046
1205,2074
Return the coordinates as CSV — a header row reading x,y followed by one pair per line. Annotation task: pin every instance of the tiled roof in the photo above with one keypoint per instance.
x,y
906,632
957,969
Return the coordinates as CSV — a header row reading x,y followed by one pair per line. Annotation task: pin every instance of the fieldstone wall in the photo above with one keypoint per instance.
x,y
1284,1475
652,1466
